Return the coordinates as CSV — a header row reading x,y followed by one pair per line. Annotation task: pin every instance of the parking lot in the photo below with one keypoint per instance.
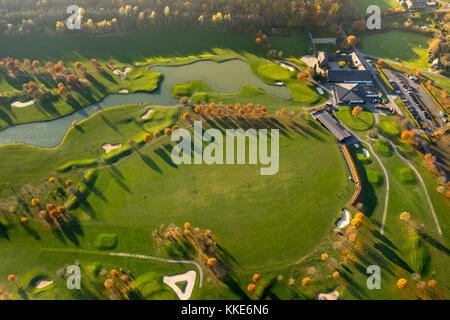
x,y
417,101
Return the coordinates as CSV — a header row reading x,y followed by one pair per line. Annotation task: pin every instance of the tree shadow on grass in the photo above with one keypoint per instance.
x,y
149,161
23,294
92,188
118,178
58,234
4,232
163,154
355,289
434,243
5,117
234,287
389,254
107,76
72,230
111,124
381,237
88,209
31,232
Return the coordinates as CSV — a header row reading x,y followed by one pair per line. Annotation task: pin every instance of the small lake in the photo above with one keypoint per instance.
x,y
227,77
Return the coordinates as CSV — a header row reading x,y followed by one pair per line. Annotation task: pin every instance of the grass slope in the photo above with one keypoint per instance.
x,y
409,48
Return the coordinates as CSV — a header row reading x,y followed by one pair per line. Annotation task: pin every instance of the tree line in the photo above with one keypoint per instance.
x,y
102,16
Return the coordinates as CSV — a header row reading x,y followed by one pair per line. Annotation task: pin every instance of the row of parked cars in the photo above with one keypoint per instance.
x,y
412,97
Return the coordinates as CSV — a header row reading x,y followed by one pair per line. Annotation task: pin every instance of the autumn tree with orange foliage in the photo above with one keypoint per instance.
x,y
356,111
351,40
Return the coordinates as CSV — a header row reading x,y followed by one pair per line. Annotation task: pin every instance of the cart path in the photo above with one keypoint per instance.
x,y
430,204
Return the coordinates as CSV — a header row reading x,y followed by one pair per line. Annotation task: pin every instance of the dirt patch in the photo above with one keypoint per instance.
x,y
109,147
147,114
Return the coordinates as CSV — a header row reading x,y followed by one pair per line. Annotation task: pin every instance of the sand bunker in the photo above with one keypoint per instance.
x,y
366,153
19,104
189,277
109,147
43,283
123,91
147,114
287,67
333,295
122,74
345,220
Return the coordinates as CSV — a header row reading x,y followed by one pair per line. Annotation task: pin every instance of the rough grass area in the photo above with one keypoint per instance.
x,y
410,48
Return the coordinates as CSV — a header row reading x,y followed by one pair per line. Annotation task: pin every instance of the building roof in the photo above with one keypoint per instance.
x,y
349,76
331,124
350,92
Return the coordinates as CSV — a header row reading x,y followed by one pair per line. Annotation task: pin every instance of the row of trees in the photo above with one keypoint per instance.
x,y
101,16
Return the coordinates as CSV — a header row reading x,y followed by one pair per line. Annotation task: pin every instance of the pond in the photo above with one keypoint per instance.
x,y
228,77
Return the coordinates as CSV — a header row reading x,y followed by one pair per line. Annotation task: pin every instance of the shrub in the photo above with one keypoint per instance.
x,y
147,138
406,175
374,177
383,148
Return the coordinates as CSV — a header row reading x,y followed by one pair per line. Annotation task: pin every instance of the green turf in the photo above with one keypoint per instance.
x,y
383,4
142,191
364,121
410,48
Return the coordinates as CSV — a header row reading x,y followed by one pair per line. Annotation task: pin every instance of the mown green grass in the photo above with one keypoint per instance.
x,y
410,48
383,4
250,215
363,122
175,47
53,106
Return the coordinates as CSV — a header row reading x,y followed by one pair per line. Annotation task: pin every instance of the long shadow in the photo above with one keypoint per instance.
x,y
92,188
58,234
4,232
434,243
234,286
5,117
83,294
108,76
118,177
47,105
381,237
227,256
149,162
267,289
32,232
389,254
23,294
356,289
110,124
71,101
162,153
94,81
87,208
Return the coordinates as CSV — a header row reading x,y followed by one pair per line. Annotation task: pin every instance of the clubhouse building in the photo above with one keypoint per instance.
x,y
351,82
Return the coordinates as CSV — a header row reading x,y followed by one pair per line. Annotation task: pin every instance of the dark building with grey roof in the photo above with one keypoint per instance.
x,y
335,127
350,76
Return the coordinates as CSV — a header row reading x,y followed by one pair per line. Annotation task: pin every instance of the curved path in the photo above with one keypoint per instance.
x,y
386,177
430,204
140,256
132,255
